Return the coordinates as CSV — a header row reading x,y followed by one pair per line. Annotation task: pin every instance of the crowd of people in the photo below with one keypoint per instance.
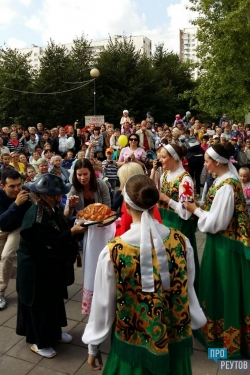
x,y
142,280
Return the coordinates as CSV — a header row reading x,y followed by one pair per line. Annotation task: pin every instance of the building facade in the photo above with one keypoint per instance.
x,y
188,44
142,44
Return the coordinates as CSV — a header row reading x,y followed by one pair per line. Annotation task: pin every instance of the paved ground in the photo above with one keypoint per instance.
x,y
16,358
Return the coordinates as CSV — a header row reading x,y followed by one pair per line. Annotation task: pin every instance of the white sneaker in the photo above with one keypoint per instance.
x,y
66,338
45,352
3,302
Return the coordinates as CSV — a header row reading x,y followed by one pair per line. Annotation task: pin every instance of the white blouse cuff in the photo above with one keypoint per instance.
x,y
198,212
173,204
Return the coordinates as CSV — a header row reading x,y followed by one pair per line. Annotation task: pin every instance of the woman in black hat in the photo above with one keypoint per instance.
x,y
46,255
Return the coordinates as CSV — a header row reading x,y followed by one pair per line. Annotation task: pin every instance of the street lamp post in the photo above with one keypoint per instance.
x,y
94,74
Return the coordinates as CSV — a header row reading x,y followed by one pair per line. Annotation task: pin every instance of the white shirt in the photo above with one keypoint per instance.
x,y
62,147
222,208
103,309
178,206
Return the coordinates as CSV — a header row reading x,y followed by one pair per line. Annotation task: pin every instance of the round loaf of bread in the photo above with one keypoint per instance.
x,y
95,212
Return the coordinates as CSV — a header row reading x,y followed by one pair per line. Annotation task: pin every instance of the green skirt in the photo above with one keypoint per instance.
x,y
224,296
188,228
116,366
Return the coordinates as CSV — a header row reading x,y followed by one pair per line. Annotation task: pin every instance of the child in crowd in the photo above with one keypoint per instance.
x,y
244,175
242,156
47,156
110,168
68,158
35,158
30,173
204,144
5,163
247,152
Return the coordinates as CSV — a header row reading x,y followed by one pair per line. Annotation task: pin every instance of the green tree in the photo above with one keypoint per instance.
x,y
224,36
125,81
172,78
55,70
82,60
16,75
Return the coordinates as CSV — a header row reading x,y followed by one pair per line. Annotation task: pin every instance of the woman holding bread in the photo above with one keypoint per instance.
x,y
87,189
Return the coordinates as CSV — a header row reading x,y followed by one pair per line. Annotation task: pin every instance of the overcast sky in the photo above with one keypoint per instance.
x,y
26,22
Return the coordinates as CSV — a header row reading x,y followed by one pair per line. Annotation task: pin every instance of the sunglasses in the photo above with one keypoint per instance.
x,y
133,139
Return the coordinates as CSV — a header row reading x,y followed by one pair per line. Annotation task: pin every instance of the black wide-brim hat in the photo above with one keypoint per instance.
x,y
50,184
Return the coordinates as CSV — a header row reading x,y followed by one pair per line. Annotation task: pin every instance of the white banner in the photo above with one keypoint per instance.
x,y
97,120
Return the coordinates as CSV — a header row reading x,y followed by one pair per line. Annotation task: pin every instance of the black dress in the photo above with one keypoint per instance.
x,y
45,264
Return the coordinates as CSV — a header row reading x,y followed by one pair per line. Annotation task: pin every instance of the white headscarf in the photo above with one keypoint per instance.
x,y
173,153
220,159
147,227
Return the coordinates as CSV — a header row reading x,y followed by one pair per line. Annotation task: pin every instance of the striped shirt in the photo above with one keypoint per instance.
x,y
110,170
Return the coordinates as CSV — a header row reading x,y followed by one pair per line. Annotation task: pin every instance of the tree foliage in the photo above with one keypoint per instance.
x,y
128,80
15,74
224,36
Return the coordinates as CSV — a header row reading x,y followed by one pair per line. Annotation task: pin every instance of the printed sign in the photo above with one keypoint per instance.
x,y
97,120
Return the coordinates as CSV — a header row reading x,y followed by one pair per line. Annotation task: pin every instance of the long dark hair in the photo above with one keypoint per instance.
x,y
84,163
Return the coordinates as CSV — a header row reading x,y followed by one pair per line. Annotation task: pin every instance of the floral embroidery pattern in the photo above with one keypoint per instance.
x,y
171,188
154,319
238,228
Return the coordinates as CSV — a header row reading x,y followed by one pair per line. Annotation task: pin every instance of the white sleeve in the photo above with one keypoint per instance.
x,y
103,308
198,318
221,211
177,206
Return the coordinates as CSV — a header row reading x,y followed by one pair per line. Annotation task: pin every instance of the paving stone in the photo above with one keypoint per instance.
x,y
77,333
201,365
73,289
73,310
12,299
86,370
22,351
14,366
7,314
78,276
11,287
9,338
11,323
69,359
198,346
78,296
70,326
39,370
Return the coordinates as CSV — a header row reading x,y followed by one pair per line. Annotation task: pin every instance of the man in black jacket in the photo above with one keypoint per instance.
x,y
13,206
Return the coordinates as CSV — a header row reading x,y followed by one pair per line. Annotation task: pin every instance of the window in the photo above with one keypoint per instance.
x,y
35,54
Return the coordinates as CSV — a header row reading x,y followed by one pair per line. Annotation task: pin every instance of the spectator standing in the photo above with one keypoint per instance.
x,y
3,149
13,206
31,144
14,144
125,118
59,144
150,120
110,168
146,137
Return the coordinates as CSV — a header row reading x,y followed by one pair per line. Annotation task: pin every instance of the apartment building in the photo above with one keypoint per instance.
x,y
141,43
188,45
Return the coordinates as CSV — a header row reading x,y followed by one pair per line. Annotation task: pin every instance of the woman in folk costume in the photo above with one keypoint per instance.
x,y
225,267
177,187
87,189
144,294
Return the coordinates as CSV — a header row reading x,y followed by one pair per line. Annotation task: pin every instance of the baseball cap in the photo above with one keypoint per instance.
x,y
215,136
110,150
234,139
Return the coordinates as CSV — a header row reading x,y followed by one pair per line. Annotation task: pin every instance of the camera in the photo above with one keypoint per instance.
x,y
159,163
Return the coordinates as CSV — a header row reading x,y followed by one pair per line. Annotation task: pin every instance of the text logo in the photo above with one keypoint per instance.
x,y
240,364
217,353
